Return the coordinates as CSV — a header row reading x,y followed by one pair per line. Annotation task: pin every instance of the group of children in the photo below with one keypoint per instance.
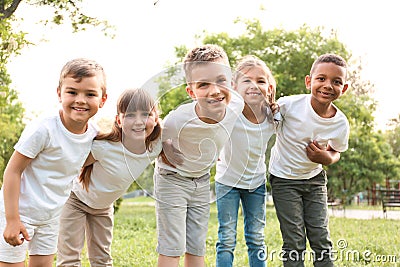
x,y
51,204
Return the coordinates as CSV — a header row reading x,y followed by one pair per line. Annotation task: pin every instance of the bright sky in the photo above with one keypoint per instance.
x,y
146,35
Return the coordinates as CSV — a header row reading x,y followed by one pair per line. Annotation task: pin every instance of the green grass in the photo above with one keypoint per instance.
x,y
140,199
135,239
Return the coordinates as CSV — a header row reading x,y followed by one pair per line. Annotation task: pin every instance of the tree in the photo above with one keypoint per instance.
x,y
290,55
392,136
11,110
63,10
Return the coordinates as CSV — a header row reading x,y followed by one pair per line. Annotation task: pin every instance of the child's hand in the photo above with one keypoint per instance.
x,y
170,155
320,154
15,233
274,107
275,111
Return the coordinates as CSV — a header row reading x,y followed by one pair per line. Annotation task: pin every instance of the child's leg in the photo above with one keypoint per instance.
x,y
99,235
171,208
5,264
41,261
253,203
287,196
198,213
316,220
43,245
168,261
72,233
228,199
193,260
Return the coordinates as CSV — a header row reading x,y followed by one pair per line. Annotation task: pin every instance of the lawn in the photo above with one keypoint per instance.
x,y
356,242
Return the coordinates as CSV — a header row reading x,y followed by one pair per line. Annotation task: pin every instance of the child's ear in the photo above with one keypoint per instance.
x,y
59,94
345,87
190,92
157,118
307,82
118,121
103,100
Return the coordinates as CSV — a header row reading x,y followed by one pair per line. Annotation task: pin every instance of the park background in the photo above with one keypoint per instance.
x,y
151,36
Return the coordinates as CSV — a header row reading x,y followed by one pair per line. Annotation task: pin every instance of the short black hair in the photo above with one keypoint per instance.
x,y
329,58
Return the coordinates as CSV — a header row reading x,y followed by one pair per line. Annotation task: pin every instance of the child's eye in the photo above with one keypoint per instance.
x,y
221,81
71,92
321,79
337,82
145,114
204,85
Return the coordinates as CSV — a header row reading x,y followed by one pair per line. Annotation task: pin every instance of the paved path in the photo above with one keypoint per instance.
x,y
335,212
363,214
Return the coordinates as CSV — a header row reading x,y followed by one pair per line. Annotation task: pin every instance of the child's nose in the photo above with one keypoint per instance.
x,y
140,120
329,84
214,89
80,98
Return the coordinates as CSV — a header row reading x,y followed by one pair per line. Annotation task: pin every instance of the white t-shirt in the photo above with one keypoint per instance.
x,y
58,156
113,172
199,142
241,162
300,125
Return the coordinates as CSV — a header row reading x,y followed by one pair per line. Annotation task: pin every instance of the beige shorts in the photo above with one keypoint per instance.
x,y
182,209
43,241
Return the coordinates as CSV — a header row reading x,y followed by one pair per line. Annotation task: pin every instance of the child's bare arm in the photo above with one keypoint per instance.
x,y
318,154
11,189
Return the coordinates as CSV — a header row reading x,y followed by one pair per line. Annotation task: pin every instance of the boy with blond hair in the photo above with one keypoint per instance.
x,y
198,130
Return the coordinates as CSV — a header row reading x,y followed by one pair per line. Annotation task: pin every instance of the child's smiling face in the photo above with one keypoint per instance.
x,y
210,86
327,82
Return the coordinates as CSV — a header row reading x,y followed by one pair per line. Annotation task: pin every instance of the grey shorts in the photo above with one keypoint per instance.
x,y
182,209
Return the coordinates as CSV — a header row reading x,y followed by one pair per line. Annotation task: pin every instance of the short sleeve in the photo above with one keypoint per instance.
x,y
33,140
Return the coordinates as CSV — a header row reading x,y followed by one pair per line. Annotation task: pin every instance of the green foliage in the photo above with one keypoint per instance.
x,y
11,110
64,11
392,136
11,125
172,88
117,203
369,158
